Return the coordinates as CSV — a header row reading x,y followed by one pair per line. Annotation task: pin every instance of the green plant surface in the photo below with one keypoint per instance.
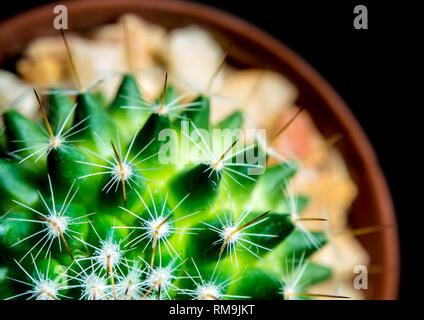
x,y
93,213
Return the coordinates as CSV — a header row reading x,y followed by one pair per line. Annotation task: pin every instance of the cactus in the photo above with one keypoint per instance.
x,y
93,211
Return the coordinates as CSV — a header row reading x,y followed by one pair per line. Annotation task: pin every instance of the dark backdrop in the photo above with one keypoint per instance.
x,y
362,65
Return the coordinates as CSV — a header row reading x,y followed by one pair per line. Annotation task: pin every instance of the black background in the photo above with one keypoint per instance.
x,y
362,65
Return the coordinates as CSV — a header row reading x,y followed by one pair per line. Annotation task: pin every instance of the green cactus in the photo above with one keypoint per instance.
x,y
101,204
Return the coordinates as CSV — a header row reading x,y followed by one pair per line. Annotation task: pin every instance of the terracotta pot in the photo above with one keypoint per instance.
x,y
252,47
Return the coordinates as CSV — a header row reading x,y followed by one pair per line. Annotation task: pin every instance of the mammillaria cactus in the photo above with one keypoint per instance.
x,y
139,199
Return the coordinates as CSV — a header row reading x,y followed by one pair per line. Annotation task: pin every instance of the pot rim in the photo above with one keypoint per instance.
x,y
217,17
